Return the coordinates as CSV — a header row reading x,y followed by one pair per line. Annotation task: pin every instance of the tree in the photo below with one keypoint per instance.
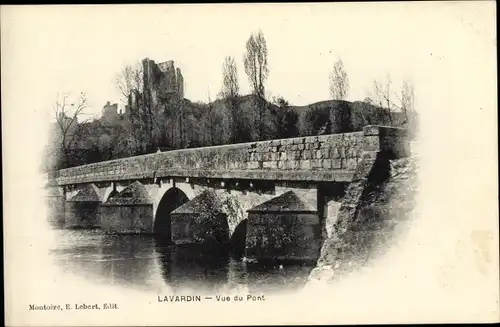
x,y
340,114
130,78
211,120
339,81
255,62
407,99
66,117
230,95
145,125
383,95
391,101
285,119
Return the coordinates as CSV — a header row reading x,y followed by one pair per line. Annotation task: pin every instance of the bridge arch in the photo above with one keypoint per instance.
x,y
171,200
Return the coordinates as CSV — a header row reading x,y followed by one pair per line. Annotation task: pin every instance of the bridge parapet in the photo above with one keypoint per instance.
x,y
331,157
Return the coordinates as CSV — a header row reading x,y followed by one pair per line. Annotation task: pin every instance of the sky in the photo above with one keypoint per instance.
x,y
73,49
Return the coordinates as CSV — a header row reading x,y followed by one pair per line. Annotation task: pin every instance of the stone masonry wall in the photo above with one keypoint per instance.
x,y
286,236
332,157
303,158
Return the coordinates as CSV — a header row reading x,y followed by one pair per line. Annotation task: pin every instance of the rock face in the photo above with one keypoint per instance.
x,y
374,211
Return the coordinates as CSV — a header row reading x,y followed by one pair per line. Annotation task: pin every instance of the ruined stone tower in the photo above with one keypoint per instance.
x,y
162,82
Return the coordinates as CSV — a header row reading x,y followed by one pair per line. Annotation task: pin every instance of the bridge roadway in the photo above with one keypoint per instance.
x,y
325,158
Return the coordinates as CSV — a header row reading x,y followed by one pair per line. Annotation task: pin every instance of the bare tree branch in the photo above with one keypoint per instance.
x,y
404,101
128,79
66,116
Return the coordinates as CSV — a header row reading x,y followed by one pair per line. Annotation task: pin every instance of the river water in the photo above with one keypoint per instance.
x,y
139,262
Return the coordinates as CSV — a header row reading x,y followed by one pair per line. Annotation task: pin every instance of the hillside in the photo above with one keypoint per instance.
x,y
324,117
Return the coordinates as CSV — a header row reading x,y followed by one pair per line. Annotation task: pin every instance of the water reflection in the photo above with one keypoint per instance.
x,y
140,262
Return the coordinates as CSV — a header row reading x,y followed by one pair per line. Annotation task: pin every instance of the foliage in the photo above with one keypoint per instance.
x,y
284,119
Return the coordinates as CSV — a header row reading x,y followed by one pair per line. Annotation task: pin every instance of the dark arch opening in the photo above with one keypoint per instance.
x,y
238,239
171,200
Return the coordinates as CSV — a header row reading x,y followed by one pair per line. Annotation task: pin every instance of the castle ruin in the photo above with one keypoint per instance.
x,y
163,82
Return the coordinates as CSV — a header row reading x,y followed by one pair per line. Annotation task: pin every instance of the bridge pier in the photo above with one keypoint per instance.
x,y
55,201
83,209
200,220
129,212
285,228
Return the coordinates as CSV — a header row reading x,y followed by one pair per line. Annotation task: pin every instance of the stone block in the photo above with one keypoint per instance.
x,y
282,156
342,152
280,164
334,153
305,164
336,163
319,154
274,156
371,143
349,163
327,163
269,165
316,163
302,147
253,165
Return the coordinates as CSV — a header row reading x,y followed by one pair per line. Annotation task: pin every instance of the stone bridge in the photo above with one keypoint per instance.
x,y
285,193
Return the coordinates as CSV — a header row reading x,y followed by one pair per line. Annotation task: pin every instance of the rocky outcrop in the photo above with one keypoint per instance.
x,y
375,210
